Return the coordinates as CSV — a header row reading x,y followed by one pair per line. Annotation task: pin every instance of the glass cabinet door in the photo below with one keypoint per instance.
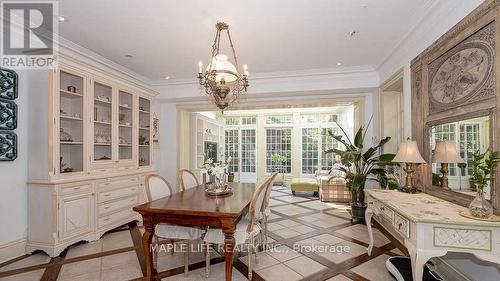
x,y
102,121
71,129
144,132
125,125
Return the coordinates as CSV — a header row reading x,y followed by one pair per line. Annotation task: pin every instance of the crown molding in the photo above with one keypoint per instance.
x,y
283,82
278,74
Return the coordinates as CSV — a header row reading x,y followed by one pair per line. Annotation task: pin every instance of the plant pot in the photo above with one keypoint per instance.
x,y
480,207
358,211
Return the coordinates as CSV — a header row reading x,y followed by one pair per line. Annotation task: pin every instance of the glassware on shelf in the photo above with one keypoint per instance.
x,y
64,136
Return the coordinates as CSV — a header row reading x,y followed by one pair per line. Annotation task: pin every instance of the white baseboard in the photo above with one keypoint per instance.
x,y
12,249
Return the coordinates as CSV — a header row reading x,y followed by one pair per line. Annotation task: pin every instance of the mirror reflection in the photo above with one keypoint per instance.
x,y
452,146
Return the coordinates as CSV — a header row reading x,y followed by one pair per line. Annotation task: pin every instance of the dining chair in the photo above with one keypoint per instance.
x,y
267,210
187,179
247,229
157,187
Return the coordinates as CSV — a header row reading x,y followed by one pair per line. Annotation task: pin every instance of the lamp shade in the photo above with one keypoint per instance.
x,y
446,152
223,68
408,153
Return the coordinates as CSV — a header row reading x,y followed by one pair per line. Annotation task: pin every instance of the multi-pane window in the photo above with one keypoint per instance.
x,y
241,143
279,119
329,118
232,120
469,141
232,149
252,120
279,141
309,119
315,140
309,150
248,150
327,142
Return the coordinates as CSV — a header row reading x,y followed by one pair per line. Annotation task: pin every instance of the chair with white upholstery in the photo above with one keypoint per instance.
x,y
187,180
247,229
157,187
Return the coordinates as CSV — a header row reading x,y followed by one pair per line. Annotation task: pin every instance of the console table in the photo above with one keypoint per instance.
x,y
429,227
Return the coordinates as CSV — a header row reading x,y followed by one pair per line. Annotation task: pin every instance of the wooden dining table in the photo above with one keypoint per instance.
x,y
193,207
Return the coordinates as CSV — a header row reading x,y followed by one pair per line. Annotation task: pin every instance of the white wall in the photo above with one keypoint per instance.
x,y
166,160
14,175
441,18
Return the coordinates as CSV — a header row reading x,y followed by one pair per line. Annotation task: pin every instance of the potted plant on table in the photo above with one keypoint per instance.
x,y
483,167
360,165
217,170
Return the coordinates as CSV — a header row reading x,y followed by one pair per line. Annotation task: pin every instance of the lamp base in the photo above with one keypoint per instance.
x,y
408,187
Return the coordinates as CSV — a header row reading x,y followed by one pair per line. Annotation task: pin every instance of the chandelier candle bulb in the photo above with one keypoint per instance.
x,y
200,67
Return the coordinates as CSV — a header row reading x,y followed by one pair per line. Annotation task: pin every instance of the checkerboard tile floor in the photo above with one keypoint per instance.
x,y
308,240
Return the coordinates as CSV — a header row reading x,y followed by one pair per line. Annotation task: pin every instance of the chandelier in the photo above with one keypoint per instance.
x,y
221,78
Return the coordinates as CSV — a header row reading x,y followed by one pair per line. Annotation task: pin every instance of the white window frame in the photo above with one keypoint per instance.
x,y
241,176
320,124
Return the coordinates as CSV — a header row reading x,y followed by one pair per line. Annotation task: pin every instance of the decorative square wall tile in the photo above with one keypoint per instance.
x,y
8,84
8,115
8,146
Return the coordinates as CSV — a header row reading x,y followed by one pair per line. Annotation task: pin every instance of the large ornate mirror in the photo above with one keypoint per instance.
x,y
454,98
462,138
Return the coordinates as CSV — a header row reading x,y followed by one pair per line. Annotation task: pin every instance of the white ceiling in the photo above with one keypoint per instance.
x,y
169,37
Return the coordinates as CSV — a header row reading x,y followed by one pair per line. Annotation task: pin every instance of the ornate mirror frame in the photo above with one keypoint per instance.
x,y
439,97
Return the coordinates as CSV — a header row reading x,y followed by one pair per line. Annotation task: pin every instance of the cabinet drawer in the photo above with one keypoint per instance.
x,y
110,183
385,211
402,225
114,218
117,193
117,205
76,188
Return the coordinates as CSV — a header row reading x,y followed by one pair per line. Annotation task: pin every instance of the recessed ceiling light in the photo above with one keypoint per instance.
x,y
129,56
61,18
353,32
339,63
166,77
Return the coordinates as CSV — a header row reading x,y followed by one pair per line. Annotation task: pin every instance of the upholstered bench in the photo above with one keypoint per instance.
x,y
304,184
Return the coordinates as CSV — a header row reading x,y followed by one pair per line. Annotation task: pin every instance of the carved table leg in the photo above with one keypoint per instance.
x,y
368,217
146,245
228,229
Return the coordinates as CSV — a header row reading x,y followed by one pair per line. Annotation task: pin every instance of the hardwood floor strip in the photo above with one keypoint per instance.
x,y
17,259
136,235
51,273
354,276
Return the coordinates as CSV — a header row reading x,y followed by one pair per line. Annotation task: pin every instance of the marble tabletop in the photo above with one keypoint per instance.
x,y
425,208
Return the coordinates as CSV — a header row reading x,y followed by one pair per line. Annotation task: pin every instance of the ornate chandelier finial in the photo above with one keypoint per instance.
x,y
221,79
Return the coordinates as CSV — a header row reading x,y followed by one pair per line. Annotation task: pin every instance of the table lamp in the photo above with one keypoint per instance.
x,y
408,153
445,153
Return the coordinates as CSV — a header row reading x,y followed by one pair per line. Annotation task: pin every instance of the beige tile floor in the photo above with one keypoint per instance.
x,y
307,238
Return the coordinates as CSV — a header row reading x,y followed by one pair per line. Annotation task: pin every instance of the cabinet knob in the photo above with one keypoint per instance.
x,y
400,225
382,208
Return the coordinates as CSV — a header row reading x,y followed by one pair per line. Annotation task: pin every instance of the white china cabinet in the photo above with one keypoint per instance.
x,y
87,171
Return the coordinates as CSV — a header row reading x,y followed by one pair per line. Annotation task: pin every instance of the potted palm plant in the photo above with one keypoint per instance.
x,y
360,164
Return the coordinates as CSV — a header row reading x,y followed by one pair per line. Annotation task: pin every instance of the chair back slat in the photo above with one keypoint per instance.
x,y
187,179
257,204
157,187
268,191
